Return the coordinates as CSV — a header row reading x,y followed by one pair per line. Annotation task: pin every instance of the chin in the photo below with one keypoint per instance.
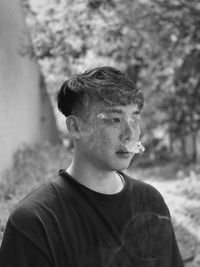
x,y
121,166
117,164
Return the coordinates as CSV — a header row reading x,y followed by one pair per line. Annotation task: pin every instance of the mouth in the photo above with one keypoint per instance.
x,y
123,150
130,149
123,154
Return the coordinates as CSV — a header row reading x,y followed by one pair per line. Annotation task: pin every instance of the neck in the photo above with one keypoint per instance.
x,y
102,181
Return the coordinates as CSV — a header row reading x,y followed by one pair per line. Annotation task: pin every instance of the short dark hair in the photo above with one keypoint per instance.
x,y
106,84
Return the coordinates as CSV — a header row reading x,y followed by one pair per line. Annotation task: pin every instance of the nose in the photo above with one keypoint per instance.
x,y
129,132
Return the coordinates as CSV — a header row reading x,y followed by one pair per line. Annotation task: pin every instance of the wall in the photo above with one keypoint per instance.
x,y
26,116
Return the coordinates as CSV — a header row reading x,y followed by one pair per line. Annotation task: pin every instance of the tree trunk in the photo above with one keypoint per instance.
x,y
171,142
183,148
194,149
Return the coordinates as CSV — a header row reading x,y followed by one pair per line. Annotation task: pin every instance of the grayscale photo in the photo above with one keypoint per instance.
x,y
100,133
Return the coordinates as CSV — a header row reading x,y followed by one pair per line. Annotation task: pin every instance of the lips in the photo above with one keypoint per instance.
x,y
123,154
123,150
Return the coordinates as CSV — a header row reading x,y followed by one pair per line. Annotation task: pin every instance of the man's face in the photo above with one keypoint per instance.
x,y
107,134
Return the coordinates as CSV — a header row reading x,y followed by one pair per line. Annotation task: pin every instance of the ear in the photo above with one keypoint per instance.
x,y
73,126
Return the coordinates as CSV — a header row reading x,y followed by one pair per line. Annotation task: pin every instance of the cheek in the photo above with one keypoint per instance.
x,y
107,141
100,140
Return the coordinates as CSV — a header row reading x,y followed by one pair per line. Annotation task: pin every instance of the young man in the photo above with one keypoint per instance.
x,y
93,214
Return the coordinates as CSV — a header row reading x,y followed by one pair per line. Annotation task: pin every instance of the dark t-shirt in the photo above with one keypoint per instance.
x,y
65,224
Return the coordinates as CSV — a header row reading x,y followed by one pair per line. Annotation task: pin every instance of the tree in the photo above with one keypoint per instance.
x,y
152,39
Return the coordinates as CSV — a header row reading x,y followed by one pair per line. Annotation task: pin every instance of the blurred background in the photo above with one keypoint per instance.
x,y
156,42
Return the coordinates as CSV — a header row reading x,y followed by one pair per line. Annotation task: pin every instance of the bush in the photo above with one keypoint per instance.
x,y
31,167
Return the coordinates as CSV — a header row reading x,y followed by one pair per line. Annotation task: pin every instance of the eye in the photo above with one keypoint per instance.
x,y
116,120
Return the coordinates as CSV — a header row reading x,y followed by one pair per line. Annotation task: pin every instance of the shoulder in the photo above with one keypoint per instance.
x,y
41,213
28,222
146,196
31,204
38,206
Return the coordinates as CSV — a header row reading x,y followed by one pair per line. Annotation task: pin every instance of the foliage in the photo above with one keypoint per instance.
x,y
32,166
163,38
156,41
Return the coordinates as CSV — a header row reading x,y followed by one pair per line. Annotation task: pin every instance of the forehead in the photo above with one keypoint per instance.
x,y
118,109
129,109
